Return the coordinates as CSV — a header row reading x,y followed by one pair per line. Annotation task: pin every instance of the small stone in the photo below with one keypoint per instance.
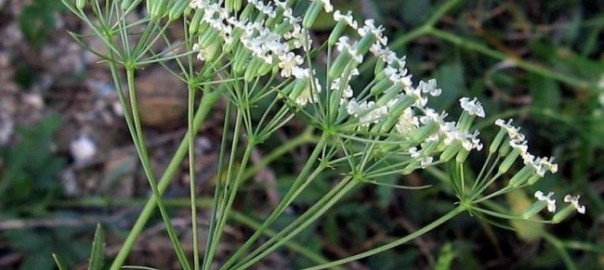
x,y
162,99
6,128
82,149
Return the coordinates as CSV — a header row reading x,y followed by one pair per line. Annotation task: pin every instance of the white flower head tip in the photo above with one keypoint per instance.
x,y
513,132
473,107
574,201
430,87
326,5
551,203
338,16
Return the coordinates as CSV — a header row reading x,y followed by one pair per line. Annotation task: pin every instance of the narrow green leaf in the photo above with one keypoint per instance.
x,y
97,255
60,263
445,257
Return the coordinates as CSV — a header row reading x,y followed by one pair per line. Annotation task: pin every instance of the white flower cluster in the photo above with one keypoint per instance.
x,y
272,40
550,203
517,141
267,37
393,95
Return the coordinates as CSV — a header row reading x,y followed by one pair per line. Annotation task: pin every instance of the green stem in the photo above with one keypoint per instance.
x,y
531,67
190,117
441,11
139,143
179,203
427,26
300,223
296,188
231,191
305,137
396,243
270,233
568,261
204,108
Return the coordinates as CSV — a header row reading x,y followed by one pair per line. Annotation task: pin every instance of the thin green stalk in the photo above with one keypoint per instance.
x,y
283,204
190,117
427,26
201,203
139,143
568,261
303,138
218,189
396,243
531,67
309,254
204,108
231,192
301,223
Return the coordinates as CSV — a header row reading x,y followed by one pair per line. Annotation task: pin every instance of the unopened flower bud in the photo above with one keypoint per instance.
x,y
178,9
129,4
195,21
450,151
365,43
336,33
522,176
339,65
80,4
497,141
508,161
311,14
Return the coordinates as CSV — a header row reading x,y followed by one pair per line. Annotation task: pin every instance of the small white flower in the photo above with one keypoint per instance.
x,y
338,17
374,115
265,8
347,93
197,4
197,48
343,45
521,146
398,76
551,203
418,154
473,107
326,5
574,200
82,149
420,100
513,132
370,28
429,87
288,63
407,122
309,95
548,163
470,141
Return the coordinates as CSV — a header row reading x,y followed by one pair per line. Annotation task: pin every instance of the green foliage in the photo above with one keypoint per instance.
x,y
37,21
29,179
445,257
29,184
98,250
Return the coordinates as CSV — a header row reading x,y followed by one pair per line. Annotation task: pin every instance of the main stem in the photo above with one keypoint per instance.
x,y
204,108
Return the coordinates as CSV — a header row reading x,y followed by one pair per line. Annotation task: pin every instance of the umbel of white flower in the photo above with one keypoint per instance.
x,y
267,38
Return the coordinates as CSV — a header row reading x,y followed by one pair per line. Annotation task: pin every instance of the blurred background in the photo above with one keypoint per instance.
x,y
67,162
